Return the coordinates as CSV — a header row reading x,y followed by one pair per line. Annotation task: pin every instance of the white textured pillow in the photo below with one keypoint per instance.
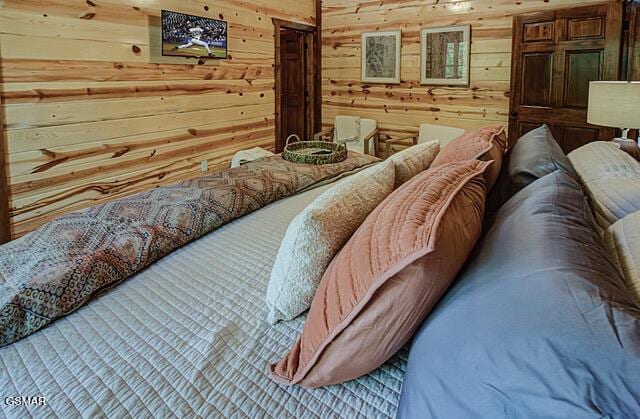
x,y
316,234
414,160
611,178
623,243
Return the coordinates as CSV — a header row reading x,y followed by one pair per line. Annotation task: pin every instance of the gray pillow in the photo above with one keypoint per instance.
x,y
535,155
540,324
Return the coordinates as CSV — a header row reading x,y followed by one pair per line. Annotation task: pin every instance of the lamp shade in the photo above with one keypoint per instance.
x,y
614,104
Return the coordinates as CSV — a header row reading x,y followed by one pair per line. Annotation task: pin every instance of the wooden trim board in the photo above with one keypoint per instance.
x,y
317,126
5,229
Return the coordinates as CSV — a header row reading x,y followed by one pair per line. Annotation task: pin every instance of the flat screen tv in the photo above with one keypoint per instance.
x,y
193,36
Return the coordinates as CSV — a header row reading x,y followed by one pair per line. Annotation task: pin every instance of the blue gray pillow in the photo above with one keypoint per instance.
x,y
540,324
535,155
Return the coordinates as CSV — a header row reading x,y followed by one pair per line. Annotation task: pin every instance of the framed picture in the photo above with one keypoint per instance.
x,y
445,55
381,57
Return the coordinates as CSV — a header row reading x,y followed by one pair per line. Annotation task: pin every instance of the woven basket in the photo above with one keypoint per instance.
x,y
314,152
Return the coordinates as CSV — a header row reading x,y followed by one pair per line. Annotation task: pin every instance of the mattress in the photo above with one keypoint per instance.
x,y
186,337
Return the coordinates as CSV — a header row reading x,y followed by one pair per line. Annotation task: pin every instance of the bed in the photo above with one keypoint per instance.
x,y
187,337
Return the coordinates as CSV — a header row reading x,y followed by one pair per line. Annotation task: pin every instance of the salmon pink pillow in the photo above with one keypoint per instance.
x,y
486,144
388,277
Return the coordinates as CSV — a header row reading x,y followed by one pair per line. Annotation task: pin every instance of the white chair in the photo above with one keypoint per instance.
x,y
360,134
251,154
427,132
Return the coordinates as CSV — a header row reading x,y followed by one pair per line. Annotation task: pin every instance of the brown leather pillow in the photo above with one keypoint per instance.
x,y
485,144
389,276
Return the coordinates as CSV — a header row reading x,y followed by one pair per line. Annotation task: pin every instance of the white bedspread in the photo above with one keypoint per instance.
x,y
185,338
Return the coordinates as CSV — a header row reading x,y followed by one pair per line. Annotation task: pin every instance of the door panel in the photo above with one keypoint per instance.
x,y
536,79
537,32
575,137
524,127
582,67
555,56
591,28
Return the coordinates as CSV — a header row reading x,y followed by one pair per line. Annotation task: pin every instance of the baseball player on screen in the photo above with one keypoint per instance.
x,y
196,35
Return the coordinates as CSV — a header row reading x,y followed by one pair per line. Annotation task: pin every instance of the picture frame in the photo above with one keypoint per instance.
x,y
445,55
381,55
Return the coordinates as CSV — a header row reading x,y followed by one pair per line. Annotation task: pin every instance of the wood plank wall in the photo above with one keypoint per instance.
x,y
400,109
93,112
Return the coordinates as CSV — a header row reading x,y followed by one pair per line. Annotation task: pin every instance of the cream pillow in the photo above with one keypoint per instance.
x,y
623,243
603,159
611,178
414,160
316,234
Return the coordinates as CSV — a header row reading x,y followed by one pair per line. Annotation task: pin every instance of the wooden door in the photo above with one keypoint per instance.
x,y
293,104
555,56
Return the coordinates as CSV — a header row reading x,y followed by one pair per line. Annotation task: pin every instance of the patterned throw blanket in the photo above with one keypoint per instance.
x,y
56,269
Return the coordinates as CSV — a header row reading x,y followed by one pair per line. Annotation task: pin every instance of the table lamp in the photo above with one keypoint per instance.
x,y
615,104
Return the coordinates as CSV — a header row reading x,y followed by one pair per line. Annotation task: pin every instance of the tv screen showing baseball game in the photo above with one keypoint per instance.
x,y
193,36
